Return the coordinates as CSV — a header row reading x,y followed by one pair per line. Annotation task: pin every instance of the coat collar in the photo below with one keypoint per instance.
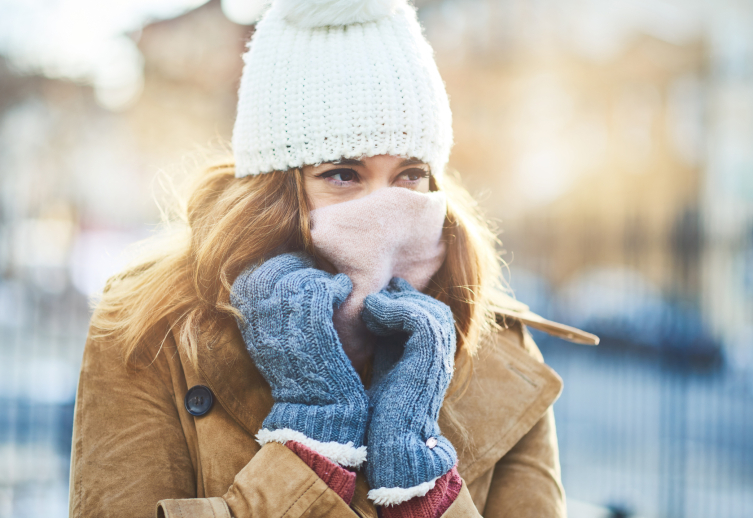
x,y
509,308
508,393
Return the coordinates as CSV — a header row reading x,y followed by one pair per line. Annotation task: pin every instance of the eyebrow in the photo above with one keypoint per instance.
x,y
351,161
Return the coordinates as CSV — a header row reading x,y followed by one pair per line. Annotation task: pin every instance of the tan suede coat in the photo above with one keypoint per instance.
x,y
138,453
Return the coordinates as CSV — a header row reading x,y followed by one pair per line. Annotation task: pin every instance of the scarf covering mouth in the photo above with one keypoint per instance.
x,y
392,232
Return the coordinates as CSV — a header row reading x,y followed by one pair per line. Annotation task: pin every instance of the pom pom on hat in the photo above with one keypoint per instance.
x,y
320,13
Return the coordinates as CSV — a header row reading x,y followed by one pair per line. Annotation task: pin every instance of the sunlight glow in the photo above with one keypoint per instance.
x,y
84,40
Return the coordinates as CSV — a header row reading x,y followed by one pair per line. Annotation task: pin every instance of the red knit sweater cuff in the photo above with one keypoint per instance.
x,y
433,504
339,479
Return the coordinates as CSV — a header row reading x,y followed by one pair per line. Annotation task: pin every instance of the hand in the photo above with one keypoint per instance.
x,y
287,326
406,450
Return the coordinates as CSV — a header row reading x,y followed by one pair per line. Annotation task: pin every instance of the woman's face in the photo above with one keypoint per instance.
x,y
349,179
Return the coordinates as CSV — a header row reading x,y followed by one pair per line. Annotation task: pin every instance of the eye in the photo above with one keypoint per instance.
x,y
340,175
413,175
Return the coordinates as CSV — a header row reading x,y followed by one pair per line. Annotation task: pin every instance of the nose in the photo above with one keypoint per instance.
x,y
375,184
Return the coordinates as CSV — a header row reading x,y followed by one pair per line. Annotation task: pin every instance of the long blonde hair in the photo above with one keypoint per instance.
x,y
184,285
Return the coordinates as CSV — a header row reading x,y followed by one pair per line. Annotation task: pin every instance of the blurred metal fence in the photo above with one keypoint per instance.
x,y
42,336
648,433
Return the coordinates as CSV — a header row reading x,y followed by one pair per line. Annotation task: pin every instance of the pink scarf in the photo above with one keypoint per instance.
x,y
393,232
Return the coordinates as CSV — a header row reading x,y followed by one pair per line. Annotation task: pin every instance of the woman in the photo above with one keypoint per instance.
x,y
290,352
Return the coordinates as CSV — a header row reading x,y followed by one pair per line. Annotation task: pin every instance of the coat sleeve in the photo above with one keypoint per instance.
x,y
130,453
276,482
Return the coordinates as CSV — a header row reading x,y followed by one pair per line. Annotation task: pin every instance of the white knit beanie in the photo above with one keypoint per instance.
x,y
330,79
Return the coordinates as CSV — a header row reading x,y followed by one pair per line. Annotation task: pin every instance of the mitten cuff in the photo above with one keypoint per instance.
x,y
335,431
343,454
398,495
404,467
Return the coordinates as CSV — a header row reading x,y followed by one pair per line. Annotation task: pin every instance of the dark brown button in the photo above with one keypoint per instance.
x,y
199,400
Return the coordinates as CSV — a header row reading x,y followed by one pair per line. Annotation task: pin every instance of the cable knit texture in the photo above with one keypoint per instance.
x,y
361,82
287,328
368,240
339,480
406,452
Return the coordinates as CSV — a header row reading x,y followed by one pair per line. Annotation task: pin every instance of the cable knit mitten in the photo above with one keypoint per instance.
x,y
287,326
406,450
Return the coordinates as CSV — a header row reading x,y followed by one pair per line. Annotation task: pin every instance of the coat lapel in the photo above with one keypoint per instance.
x,y
508,393
237,384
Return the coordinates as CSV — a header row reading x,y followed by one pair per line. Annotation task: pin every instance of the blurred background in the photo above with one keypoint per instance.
x,y
611,141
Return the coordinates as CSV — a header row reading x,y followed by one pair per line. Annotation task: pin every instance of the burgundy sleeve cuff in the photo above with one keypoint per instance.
x,y
339,479
433,504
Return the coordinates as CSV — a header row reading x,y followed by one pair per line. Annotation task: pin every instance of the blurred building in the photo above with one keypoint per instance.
x,y
583,161
727,190
611,135
192,69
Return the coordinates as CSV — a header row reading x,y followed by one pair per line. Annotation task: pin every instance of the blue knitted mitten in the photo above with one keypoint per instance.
x,y
406,450
287,327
